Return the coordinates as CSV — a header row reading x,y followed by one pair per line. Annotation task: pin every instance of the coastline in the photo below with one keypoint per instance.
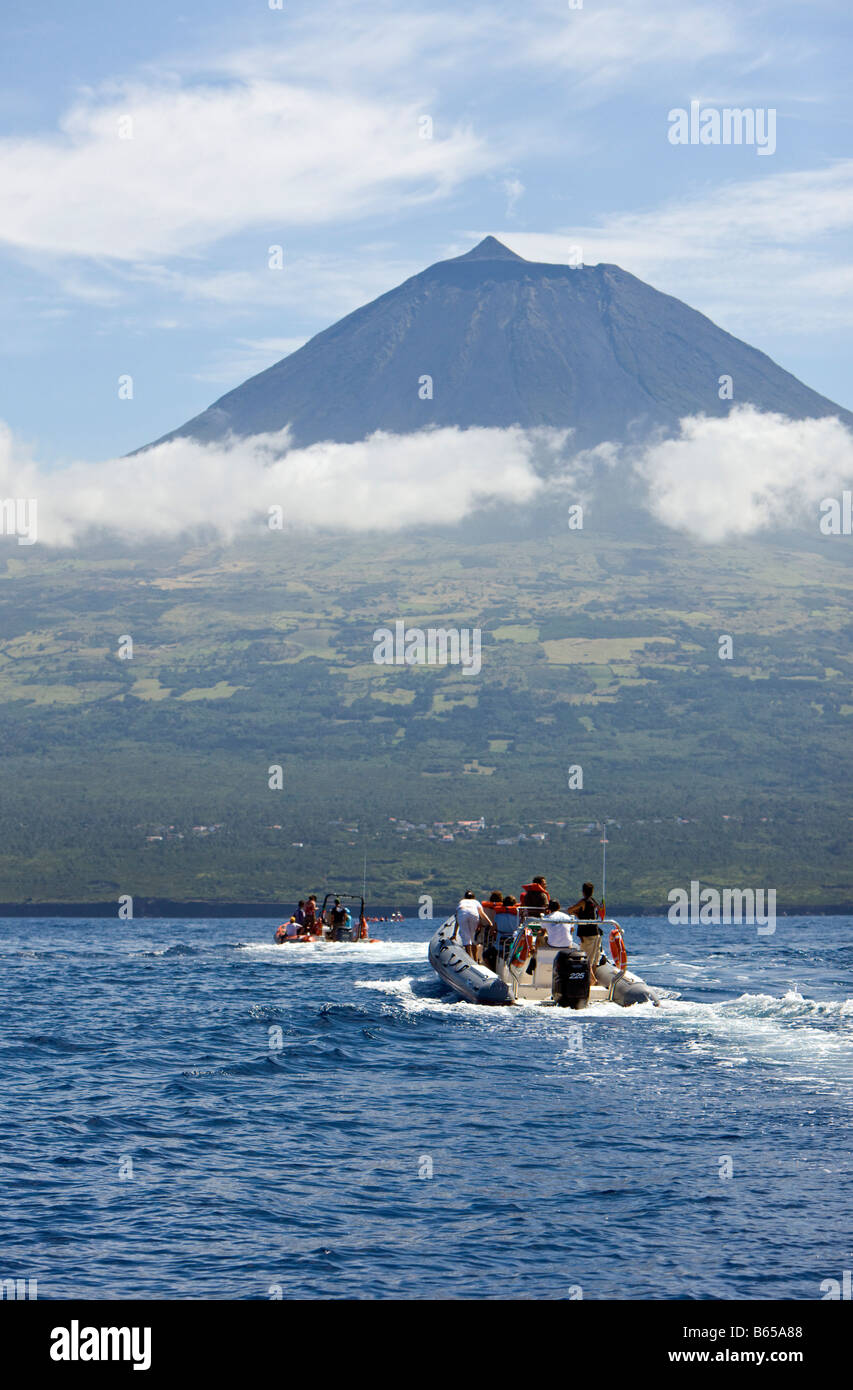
x,y
165,908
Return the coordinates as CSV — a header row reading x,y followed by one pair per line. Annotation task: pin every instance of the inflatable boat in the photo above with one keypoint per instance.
x,y
514,969
334,922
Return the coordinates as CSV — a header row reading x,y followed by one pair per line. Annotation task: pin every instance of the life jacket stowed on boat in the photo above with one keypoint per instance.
x,y
617,949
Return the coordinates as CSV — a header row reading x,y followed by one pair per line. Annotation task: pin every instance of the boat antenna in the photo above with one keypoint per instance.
x,y
364,877
604,842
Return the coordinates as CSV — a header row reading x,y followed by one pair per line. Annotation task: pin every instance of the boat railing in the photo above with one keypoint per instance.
x,y
530,916
507,941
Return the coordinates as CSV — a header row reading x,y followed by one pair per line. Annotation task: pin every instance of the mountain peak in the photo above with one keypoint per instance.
x,y
490,249
550,345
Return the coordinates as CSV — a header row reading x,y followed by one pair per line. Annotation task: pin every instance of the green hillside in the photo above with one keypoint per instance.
x,y
595,653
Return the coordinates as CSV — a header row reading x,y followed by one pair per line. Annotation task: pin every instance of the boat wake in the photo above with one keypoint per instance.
x,y
371,952
812,1039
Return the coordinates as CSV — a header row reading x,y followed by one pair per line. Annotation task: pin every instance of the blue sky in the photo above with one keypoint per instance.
x,y
299,127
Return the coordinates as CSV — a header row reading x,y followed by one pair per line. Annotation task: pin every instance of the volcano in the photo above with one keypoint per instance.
x,y
490,339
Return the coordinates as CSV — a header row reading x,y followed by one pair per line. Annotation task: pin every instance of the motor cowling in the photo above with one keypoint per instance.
x,y
571,980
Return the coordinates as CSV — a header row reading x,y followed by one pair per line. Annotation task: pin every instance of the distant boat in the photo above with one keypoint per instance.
x,y
335,922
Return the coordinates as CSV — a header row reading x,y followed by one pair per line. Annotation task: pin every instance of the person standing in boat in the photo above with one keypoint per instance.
x,y
470,916
492,905
535,896
589,932
341,921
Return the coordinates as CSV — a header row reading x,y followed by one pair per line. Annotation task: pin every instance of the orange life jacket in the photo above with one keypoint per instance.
x,y
534,895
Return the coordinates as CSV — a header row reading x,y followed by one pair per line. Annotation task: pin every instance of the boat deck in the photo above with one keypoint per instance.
x,y
538,985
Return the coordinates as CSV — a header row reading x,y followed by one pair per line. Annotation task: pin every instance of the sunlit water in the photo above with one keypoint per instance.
x,y
187,1110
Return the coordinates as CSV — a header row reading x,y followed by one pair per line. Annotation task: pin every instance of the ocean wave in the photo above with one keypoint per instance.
x,y
761,1028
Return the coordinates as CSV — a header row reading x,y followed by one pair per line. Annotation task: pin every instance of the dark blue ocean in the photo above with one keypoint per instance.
x,y
187,1111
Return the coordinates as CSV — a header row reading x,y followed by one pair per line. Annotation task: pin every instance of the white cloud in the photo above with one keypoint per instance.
x,y
321,285
207,161
606,45
514,190
609,45
384,483
291,132
721,478
730,252
746,472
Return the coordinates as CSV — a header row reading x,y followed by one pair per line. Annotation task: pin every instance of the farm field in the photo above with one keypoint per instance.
x,y
597,653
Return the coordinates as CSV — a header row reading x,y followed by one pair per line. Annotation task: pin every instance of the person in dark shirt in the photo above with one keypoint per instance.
x,y
586,908
589,932
339,921
535,896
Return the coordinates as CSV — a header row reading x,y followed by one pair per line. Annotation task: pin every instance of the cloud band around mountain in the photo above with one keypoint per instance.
x,y
386,482
719,479
750,471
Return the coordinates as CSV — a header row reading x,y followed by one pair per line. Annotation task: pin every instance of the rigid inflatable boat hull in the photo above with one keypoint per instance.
x,y
454,966
623,987
479,985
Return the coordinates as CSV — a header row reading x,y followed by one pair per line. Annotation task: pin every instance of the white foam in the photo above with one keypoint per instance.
x,y
754,1029
372,952
776,1031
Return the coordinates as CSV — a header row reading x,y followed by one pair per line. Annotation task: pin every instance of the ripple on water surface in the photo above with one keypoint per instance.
x,y
190,1110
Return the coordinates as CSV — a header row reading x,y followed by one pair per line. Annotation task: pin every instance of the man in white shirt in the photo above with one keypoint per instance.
x,y
469,916
557,925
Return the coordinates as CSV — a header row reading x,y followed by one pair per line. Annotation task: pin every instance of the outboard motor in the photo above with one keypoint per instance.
x,y
571,980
